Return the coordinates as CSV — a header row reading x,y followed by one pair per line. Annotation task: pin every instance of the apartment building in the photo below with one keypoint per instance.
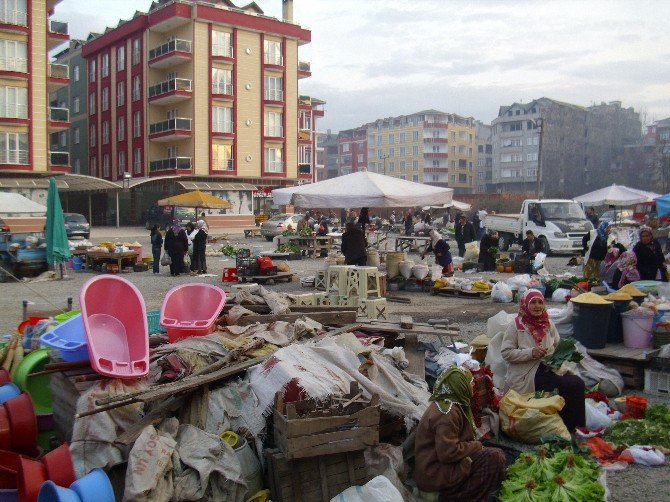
x,y
484,156
201,89
327,155
27,34
646,163
352,150
578,146
73,97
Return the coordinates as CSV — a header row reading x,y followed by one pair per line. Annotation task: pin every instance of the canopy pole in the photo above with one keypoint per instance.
x,y
90,211
117,209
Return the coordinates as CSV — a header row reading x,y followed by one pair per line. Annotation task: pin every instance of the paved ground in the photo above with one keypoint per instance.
x,y
640,482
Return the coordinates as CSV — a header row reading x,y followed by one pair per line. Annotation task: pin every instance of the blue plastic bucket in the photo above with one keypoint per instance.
x,y
77,263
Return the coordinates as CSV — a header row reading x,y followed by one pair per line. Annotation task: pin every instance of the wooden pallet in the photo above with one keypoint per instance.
x,y
459,292
267,279
631,363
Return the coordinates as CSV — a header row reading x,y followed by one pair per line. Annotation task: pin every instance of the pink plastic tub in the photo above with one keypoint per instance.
x,y
191,310
115,322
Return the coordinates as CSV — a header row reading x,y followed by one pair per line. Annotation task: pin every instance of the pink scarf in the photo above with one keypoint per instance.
x,y
537,326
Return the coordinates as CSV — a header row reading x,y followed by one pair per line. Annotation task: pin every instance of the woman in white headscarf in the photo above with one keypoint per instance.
x,y
199,264
442,252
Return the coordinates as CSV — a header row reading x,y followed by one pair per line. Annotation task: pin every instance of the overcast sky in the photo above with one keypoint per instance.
x,y
376,58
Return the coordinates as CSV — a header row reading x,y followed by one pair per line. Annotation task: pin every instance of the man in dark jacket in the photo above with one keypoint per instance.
x,y
465,232
531,246
353,246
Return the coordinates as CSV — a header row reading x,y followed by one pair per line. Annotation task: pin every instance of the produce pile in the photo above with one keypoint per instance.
x,y
653,430
229,250
289,247
566,351
563,476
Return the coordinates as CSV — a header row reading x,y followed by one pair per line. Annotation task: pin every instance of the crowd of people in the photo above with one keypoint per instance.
x,y
184,246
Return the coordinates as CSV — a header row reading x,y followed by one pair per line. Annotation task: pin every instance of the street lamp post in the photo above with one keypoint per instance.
x,y
539,123
384,157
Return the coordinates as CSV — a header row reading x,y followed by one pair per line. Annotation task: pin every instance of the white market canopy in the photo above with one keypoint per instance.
x,y
14,204
616,195
363,189
460,206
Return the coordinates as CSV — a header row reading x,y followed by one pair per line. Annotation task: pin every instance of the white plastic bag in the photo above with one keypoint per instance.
x,y
495,361
435,272
471,252
560,295
187,261
646,455
519,282
166,260
379,489
501,293
596,415
563,319
538,262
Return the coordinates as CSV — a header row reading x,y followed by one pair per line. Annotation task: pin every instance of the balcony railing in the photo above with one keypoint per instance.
x,y
59,70
275,59
441,125
59,158
304,168
175,84
175,124
170,164
58,27
222,88
222,50
14,64
13,156
435,140
304,66
227,165
59,114
274,131
171,46
274,166
17,17
13,111
274,95
224,127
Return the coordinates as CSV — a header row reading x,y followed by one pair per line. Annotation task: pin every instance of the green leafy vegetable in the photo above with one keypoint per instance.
x,y
635,431
566,350
658,413
560,489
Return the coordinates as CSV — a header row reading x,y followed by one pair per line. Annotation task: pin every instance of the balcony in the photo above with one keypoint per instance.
x,y
224,165
304,69
170,91
14,68
222,51
13,21
304,135
171,53
222,89
170,130
274,131
58,34
435,140
59,76
435,125
173,165
59,119
304,168
274,95
273,59
59,159
436,155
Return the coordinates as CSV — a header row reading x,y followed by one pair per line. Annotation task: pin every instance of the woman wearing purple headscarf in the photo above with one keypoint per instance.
x,y
176,245
650,259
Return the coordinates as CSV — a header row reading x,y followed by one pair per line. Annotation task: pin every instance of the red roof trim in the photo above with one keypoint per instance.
x,y
117,34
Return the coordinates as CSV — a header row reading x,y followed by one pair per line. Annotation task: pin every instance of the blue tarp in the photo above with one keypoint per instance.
x,y
663,205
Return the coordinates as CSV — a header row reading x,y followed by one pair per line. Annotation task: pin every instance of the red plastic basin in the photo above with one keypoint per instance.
x,y
9,466
59,467
5,430
31,476
23,423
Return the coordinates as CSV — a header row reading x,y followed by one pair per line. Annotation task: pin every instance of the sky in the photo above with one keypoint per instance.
x,y
373,58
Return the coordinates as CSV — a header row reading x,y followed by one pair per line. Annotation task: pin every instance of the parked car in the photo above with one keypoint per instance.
x,y
76,225
279,223
616,214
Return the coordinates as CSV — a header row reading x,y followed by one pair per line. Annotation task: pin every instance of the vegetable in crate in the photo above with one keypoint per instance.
x,y
565,351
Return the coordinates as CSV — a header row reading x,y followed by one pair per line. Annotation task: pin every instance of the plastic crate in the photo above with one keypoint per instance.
x,y
153,320
657,383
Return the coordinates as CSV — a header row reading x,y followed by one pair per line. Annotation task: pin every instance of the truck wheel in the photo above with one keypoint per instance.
x,y
545,244
503,243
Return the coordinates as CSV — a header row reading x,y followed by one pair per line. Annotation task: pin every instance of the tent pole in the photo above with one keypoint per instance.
x,y
117,209
90,211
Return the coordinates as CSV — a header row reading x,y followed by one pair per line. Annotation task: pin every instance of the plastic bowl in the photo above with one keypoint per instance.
x,y
31,476
59,466
4,376
69,338
94,487
9,495
9,466
5,430
23,424
51,492
66,315
31,321
8,391
37,387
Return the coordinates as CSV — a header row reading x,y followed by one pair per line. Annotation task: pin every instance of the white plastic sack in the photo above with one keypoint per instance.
x,y
166,260
501,293
436,272
472,252
379,489
519,282
562,319
495,361
594,373
560,295
646,455
538,262
596,415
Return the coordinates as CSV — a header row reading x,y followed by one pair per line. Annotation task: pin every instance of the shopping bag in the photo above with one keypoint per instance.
x,y
166,260
187,261
526,419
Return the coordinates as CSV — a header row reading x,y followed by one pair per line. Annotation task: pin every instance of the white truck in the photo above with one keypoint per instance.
x,y
559,224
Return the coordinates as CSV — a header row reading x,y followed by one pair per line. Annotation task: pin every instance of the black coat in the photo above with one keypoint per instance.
x,y
176,244
650,260
200,242
465,233
531,249
353,245
485,256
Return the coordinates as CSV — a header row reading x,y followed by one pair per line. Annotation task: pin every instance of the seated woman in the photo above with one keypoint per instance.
x,y
485,257
442,253
608,265
448,458
650,259
626,270
528,339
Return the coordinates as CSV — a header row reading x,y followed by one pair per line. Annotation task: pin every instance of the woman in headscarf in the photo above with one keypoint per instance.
x,y
650,260
608,265
442,254
487,260
597,252
528,340
199,263
176,245
626,270
449,459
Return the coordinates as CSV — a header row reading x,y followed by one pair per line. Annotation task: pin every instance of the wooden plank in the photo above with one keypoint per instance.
x,y
398,299
416,358
406,322
333,442
264,309
331,318
619,351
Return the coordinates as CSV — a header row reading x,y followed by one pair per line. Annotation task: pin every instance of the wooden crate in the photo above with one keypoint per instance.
x,y
313,479
305,429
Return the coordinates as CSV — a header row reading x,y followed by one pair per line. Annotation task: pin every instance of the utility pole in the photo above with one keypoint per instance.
x,y
540,123
384,157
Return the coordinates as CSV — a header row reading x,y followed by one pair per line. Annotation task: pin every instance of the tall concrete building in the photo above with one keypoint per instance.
x,y
484,140
327,154
578,146
201,89
352,150
27,34
74,98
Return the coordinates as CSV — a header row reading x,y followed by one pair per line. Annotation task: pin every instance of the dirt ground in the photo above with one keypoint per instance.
x,y
644,483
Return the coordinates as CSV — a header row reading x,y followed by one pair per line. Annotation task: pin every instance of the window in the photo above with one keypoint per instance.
x,y
371,152
469,152
13,55
222,119
462,163
515,126
136,88
121,58
379,154
121,128
75,105
136,51
359,158
415,150
120,93
402,151
481,175
104,65
137,125
453,135
531,157
415,178
391,138
93,166
14,102
531,172
137,160
62,138
105,132
379,139
91,136
532,141
121,167
272,52
222,44
13,148
453,150
345,147
222,157
77,166
402,166
222,81
391,152
105,166
91,71
436,149
13,12
274,88
273,160
391,166
105,99
371,139
401,137
415,135
91,103
415,165
453,178
172,152
75,136
453,164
